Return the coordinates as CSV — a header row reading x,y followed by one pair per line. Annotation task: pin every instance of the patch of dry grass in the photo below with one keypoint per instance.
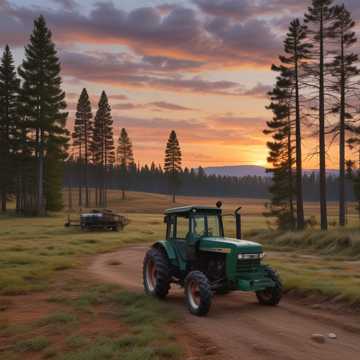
x,y
109,329
33,249
342,243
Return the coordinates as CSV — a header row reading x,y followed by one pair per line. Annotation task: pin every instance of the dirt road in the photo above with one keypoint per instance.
x,y
242,329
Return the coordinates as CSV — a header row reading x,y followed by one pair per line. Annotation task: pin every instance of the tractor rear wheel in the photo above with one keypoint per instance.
x,y
198,293
271,296
156,273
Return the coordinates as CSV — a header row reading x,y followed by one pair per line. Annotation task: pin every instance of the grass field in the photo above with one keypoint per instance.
x,y
36,252
31,250
87,321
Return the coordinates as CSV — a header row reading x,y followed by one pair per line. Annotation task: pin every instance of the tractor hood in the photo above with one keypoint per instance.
x,y
227,245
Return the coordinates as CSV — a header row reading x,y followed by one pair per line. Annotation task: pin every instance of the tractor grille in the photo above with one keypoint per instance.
x,y
250,265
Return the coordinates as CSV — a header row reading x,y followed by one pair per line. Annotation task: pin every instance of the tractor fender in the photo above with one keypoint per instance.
x,y
167,247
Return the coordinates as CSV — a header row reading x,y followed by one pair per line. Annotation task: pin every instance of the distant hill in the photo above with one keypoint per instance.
x,y
239,170
251,170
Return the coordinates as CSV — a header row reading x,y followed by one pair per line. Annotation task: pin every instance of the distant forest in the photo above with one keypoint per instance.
x,y
193,182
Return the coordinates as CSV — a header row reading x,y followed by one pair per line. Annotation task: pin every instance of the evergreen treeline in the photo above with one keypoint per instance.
x,y
316,88
193,182
33,136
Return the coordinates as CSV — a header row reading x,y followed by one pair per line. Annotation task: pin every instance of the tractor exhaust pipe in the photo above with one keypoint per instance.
x,y
238,223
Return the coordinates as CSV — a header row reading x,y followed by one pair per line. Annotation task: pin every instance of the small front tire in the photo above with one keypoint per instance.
x,y
271,296
198,293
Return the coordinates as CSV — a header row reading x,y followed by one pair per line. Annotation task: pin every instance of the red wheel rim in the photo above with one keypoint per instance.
x,y
151,275
194,294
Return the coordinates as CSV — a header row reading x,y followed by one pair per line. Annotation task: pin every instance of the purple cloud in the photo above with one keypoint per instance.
x,y
181,33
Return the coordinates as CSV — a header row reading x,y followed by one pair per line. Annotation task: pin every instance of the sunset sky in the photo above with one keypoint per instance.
x,y
200,67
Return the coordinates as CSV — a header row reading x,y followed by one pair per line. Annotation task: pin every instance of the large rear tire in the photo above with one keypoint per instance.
x,y
156,273
271,296
198,293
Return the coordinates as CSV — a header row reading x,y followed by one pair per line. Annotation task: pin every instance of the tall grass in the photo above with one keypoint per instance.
x,y
336,242
34,249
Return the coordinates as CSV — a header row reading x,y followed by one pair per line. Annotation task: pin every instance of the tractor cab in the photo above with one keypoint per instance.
x,y
196,255
196,231
187,226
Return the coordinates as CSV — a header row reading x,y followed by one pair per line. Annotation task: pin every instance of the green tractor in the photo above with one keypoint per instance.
x,y
197,256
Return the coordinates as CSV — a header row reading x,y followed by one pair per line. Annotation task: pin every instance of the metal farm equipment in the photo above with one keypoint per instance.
x,y
99,220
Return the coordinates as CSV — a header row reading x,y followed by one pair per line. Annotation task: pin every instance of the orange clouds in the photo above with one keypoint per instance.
x,y
177,64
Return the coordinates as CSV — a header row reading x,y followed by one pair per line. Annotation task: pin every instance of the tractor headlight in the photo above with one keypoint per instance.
x,y
251,256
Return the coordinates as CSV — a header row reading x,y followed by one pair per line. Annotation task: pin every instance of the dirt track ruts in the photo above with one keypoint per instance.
x,y
242,329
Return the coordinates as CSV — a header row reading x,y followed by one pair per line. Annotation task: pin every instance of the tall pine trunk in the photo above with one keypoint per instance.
x,y
40,180
70,202
299,177
342,142
40,184
86,185
291,185
80,176
3,201
322,149
86,167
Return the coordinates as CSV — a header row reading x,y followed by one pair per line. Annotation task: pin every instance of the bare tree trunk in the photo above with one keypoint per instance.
x,y
80,183
3,201
291,185
105,187
299,177
86,189
40,197
322,149
342,142
17,194
70,202
86,167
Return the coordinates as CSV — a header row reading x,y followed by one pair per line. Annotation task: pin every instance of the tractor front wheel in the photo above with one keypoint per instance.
x,y
271,296
156,273
198,293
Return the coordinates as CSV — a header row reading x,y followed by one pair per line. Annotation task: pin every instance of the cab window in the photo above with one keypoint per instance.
x,y
206,225
182,227
213,226
198,226
170,227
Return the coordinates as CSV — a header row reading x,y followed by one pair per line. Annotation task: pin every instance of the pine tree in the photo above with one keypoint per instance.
x,y
103,144
281,151
125,158
345,71
297,51
9,122
319,19
82,139
42,101
172,164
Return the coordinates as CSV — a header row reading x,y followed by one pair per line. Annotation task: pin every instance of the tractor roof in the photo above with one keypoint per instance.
x,y
193,209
